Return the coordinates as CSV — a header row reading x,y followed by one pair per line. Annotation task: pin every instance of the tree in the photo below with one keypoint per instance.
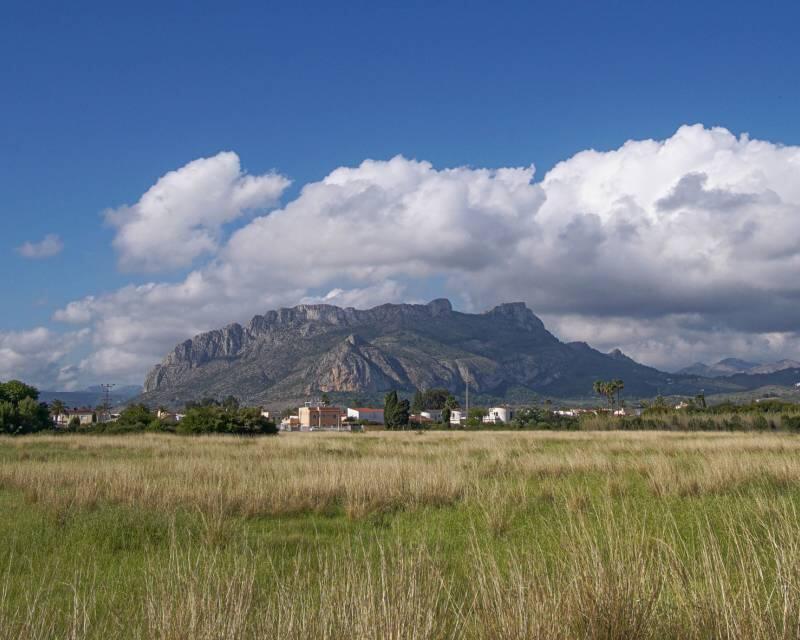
x,y
436,398
57,408
395,412
20,411
13,391
231,404
33,416
451,402
599,387
136,417
619,385
446,416
475,417
213,419
402,413
326,400
206,401
608,389
389,408
418,406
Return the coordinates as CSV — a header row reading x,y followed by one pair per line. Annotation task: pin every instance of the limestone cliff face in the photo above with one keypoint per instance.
x,y
292,353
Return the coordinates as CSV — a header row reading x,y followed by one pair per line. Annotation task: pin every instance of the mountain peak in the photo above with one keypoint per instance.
x,y
519,313
440,306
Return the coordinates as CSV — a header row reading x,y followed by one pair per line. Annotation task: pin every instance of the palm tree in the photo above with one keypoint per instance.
x,y
57,408
601,388
619,385
597,386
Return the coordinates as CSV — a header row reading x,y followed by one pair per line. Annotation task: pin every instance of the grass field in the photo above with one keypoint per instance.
x,y
400,535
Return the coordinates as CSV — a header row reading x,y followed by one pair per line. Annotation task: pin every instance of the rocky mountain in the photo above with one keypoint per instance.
x,y
290,354
734,366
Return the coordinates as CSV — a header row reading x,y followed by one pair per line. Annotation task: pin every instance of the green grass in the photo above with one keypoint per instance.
x,y
547,535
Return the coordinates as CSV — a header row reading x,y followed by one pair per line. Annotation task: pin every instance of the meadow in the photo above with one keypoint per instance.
x,y
604,534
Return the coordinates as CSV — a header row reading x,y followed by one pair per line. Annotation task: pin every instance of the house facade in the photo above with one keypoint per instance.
x,y
456,416
499,415
368,414
320,417
85,415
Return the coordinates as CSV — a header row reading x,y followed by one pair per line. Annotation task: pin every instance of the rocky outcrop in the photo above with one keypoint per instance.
x,y
289,354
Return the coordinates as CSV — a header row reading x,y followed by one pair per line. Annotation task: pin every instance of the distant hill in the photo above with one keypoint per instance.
x,y
91,396
733,366
288,355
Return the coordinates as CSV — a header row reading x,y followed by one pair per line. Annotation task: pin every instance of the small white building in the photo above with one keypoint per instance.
x,y
456,416
499,415
434,415
368,414
85,416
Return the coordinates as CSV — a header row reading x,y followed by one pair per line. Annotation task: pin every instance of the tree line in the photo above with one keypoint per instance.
x,y
22,413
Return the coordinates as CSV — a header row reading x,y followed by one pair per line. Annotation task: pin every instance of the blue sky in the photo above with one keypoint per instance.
x,y
98,102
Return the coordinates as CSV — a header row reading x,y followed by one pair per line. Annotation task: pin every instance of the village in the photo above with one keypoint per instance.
x,y
317,416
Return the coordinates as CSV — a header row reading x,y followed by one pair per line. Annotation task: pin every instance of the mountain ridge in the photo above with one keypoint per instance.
x,y
292,353
734,366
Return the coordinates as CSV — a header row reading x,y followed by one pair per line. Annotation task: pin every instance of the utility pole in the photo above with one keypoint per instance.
x,y
467,399
106,400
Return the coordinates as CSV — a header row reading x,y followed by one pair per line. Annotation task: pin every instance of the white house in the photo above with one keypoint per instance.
x,y
434,415
366,413
498,415
85,416
456,416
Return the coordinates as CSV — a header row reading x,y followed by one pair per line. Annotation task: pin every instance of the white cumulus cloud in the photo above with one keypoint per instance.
x,y
180,217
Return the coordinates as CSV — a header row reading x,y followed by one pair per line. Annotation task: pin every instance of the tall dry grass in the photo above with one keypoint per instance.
x,y
570,535
373,472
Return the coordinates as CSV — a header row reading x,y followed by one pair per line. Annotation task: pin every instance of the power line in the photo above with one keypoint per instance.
x,y
107,387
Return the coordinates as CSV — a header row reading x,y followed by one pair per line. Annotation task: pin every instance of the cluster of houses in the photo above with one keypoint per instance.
x,y
622,411
315,416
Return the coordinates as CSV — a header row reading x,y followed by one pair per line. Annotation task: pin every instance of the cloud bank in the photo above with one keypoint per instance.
x,y
674,250
37,356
